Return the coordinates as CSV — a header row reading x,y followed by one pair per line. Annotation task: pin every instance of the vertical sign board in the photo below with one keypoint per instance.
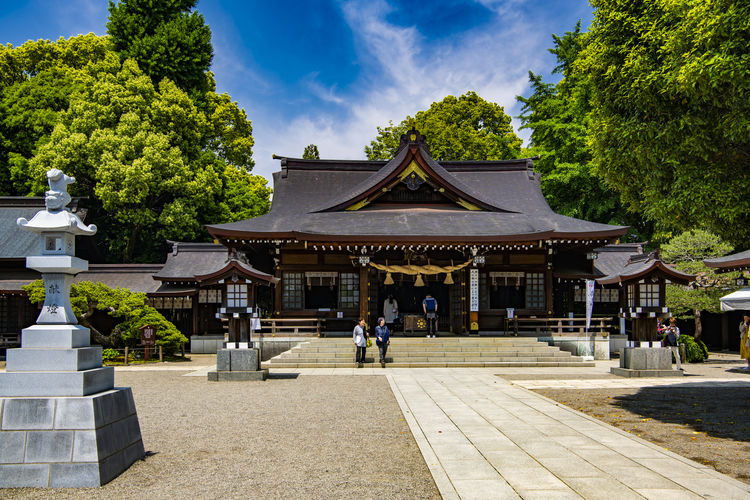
x,y
148,338
589,302
474,290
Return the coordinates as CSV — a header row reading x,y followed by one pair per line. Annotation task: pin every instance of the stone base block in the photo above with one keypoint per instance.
x,y
56,336
237,376
57,383
71,442
47,359
237,360
646,358
626,372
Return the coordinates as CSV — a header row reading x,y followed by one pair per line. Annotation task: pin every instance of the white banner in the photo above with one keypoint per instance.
x,y
589,302
474,290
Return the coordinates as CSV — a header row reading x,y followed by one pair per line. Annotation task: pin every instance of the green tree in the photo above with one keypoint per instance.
x,y
153,162
463,128
686,253
128,307
670,129
137,150
558,116
311,152
165,38
37,80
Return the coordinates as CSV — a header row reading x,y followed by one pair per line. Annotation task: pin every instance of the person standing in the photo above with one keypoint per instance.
x,y
671,335
745,339
390,309
382,339
360,340
430,308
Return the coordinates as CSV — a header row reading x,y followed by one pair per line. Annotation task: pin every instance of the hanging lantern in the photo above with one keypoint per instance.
x,y
448,279
388,279
418,281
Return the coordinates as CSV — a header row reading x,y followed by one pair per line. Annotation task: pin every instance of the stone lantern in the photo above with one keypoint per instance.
x,y
63,422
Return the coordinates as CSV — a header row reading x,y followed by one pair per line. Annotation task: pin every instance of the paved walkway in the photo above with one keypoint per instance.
x,y
486,437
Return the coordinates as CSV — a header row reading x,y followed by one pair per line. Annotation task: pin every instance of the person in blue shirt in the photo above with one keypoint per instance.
x,y
382,339
430,307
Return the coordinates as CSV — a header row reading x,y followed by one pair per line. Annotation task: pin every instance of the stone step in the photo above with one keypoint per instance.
x,y
425,359
407,355
400,347
488,364
428,352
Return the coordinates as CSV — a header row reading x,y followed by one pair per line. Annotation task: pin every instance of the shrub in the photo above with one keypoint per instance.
x,y
695,350
110,354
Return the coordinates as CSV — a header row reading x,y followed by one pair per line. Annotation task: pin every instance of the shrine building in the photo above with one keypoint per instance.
x,y
344,235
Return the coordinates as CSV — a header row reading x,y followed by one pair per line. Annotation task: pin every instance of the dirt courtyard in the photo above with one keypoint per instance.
x,y
710,425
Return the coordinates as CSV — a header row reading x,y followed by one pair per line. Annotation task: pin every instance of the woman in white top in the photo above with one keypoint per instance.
x,y
390,309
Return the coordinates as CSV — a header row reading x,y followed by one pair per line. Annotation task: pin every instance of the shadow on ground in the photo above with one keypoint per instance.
x,y
722,412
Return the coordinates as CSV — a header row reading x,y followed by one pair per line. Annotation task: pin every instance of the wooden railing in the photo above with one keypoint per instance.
x,y
9,340
559,327
295,327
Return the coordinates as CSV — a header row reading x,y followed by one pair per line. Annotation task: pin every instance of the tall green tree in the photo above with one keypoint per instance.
x,y
311,152
151,161
686,252
457,128
37,81
670,125
165,37
558,117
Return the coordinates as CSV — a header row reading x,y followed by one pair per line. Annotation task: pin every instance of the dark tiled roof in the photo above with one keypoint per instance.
x,y
17,243
304,187
135,277
640,266
13,280
731,262
612,259
187,260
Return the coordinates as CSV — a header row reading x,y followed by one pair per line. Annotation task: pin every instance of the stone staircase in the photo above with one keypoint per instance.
x,y
428,352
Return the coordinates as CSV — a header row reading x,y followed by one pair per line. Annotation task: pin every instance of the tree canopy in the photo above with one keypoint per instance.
x,y
165,38
311,152
154,163
686,252
670,122
456,128
558,116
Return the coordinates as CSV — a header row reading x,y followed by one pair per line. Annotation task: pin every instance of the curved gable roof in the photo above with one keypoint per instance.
x,y
413,148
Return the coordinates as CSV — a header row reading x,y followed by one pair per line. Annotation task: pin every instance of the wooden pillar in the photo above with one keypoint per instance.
x,y
195,306
363,293
548,287
277,294
724,331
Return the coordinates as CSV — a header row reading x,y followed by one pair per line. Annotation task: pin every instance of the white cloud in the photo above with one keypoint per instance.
x,y
401,74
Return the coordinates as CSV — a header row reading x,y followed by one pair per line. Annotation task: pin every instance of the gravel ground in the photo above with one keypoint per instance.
x,y
304,437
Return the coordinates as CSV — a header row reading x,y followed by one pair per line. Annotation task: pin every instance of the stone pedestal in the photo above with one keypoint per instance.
x,y
237,364
646,362
64,424
68,442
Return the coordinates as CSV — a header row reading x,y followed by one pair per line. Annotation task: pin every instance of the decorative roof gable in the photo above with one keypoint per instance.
x,y
412,170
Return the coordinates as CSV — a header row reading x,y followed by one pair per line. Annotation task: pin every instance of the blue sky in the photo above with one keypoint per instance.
x,y
329,72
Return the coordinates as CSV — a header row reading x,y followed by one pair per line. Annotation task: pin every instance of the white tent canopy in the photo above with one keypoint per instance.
x,y
736,301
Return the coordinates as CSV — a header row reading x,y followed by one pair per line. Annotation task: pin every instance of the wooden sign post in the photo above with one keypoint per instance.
x,y
148,337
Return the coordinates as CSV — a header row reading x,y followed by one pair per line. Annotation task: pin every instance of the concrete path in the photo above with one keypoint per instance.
x,y
486,437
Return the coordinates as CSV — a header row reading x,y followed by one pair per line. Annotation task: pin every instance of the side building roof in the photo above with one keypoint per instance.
x,y
734,262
